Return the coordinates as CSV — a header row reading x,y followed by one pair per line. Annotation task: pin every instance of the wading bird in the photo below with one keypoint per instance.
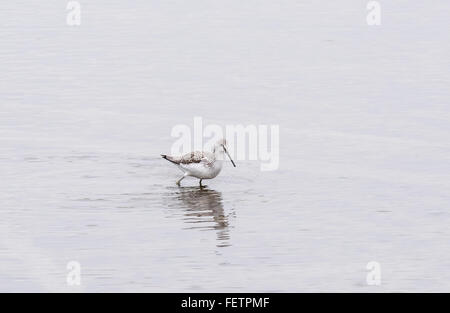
x,y
201,164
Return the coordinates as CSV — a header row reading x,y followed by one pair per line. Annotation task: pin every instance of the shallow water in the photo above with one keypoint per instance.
x,y
364,146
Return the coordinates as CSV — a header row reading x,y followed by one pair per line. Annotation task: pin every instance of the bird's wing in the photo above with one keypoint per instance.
x,y
208,158
193,157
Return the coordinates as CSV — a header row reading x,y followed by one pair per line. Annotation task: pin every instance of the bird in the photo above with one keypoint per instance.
x,y
201,164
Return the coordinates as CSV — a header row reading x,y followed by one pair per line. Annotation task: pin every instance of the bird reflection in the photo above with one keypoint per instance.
x,y
204,211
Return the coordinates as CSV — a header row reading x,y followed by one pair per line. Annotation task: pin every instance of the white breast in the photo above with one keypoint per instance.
x,y
201,170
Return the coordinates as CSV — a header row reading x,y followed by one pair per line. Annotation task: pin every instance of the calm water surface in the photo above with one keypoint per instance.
x,y
364,123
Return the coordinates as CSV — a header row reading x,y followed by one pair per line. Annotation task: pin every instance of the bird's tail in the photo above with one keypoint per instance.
x,y
168,158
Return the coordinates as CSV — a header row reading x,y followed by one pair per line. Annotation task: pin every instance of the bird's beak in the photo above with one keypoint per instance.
x,y
225,149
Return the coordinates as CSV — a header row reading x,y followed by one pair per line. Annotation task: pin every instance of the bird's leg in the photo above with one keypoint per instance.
x,y
179,181
201,186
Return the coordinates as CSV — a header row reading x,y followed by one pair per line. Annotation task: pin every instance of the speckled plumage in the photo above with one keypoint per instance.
x,y
192,157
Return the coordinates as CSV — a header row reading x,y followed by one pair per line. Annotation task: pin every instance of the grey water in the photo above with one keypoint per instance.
x,y
364,171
